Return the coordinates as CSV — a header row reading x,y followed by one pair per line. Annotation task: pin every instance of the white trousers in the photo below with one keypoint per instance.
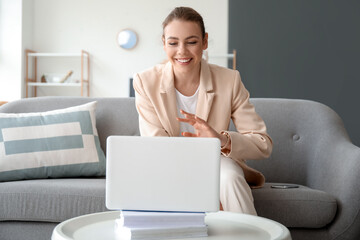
x,y
235,193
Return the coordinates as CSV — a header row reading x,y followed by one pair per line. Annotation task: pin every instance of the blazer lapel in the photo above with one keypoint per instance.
x,y
168,97
206,92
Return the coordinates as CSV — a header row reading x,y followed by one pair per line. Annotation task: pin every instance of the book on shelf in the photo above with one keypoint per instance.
x,y
160,225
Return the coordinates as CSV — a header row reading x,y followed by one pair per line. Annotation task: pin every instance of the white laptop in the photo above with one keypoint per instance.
x,y
163,174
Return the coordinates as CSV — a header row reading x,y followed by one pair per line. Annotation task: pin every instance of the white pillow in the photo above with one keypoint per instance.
x,y
53,144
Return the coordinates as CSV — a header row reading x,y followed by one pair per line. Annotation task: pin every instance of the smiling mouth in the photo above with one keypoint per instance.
x,y
183,60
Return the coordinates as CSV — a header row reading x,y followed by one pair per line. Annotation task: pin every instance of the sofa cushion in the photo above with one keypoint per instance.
x,y
59,143
51,200
301,207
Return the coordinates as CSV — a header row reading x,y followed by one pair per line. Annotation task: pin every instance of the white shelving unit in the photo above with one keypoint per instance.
x,y
41,84
35,82
228,56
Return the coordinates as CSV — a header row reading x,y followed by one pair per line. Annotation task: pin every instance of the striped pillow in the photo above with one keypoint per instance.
x,y
53,144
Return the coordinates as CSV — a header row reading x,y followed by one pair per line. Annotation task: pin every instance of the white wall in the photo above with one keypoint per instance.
x,y
27,35
92,25
10,49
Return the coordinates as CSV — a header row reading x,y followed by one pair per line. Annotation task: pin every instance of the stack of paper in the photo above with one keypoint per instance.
x,y
160,225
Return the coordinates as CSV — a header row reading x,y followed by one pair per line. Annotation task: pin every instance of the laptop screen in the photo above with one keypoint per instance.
x,y
163,174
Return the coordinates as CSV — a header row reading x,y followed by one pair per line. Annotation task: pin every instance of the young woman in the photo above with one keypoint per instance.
x,y
189,97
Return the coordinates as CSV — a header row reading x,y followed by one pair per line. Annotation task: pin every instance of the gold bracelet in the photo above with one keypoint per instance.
x,y
227,139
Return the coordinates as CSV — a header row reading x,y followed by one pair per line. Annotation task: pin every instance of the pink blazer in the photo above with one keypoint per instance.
x,y
222,96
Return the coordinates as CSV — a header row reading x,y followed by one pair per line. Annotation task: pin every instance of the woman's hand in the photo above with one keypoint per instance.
x,y
202,128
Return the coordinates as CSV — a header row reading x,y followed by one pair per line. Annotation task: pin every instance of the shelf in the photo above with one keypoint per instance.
x,y
55,55
40,84
32,82
229,55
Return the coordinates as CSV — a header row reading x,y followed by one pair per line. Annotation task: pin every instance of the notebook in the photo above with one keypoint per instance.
x,y
162,174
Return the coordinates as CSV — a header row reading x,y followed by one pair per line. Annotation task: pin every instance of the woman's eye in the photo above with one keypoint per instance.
x,y
172,43
192,43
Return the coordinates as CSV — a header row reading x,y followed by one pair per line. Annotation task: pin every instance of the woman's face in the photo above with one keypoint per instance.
x,y
184,45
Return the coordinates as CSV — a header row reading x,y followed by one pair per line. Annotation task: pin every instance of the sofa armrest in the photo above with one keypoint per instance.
x,y
336,170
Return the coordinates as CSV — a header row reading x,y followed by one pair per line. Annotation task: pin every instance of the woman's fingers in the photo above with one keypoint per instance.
x,y
189,134
201,127
191,116
186,113
189,121
188,118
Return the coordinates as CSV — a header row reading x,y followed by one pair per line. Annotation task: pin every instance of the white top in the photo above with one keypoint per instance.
x,y
188,104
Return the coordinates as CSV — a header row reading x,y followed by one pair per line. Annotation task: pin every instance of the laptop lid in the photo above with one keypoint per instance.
x,y
163,174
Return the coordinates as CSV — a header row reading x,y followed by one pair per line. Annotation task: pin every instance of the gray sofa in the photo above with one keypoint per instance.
x,y
311,149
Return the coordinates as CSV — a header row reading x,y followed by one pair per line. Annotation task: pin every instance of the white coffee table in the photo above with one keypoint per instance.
x,y
222,226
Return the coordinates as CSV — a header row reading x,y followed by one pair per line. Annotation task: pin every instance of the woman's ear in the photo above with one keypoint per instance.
x,y
205,41
163,40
